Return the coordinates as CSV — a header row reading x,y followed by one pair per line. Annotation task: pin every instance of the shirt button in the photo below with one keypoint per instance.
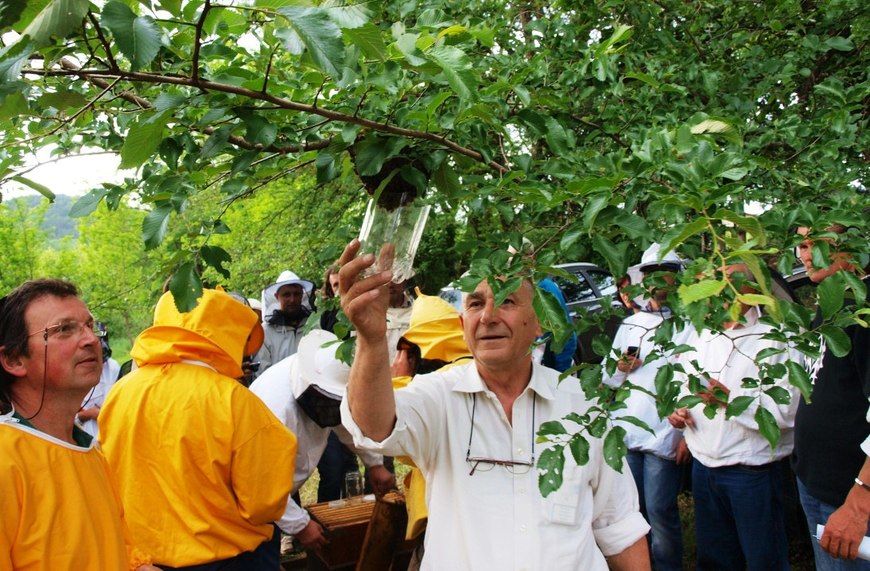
x,y
519,450
522,491
523,528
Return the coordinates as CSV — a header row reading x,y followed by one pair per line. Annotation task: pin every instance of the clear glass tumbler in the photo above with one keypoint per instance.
x,y
402,227
353,486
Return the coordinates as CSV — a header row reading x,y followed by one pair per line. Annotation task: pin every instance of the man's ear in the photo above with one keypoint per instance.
x,y
14,365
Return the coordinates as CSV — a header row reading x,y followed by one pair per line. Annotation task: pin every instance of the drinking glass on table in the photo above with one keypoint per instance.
x,y
353,486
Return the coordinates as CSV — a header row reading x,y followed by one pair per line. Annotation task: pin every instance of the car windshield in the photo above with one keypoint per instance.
x,y
576,292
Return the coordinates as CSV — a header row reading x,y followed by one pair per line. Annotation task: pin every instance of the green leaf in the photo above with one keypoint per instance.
x,y
755,299
615,448
779,395
767,426
370,155
216,142
551,316
320,35
615,254
445,178
664,377
839,43
551,467
142,140
701,290
798,377
369,40
597,203
831,292
138,37
186,287
41,189
579,448
635,421
689,401
58,18
836,339
550,428
154,226
456,66
63,99
87,203
216,257
12,59
10,12
557,137
857,286
569,238
768,352
690,229
347,14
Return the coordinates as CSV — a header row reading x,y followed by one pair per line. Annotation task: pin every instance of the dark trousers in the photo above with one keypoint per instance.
x,y
336,461
739,520
266,557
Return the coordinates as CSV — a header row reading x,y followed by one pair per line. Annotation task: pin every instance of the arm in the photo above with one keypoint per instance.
x,y
295,518
632,558
369,459
846,527
369,390
270,454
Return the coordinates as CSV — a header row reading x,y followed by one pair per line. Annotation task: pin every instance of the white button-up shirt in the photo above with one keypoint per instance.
x,y
496,519
273,388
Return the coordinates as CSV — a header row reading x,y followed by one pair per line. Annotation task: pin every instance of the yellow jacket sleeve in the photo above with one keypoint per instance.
x,y
262,473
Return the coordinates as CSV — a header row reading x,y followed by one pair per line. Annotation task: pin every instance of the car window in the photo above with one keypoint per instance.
x,y
576,292
603,281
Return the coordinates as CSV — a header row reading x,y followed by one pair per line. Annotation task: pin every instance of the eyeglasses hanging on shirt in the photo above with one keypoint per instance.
x,y
482,464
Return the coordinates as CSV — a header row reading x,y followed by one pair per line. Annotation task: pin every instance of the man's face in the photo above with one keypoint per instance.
x,y
74,361
290,297
839,261
500,339
333,283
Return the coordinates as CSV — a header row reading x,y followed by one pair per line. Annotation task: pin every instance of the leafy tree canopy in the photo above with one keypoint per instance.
x,y
592,128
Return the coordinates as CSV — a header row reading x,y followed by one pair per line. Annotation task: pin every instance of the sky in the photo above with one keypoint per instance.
x,y
73,176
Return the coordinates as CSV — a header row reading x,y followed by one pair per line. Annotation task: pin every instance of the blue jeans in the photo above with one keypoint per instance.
x,y
336,461
658,483
817,513
739,520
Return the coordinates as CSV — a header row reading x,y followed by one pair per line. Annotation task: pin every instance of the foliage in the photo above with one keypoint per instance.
x,y
592,129
21,240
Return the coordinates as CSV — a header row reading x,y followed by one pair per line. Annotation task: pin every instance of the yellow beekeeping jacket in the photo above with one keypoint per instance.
x,y
59,506
204,468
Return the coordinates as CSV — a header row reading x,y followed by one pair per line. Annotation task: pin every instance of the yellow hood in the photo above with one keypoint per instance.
x,y
436,329
215,332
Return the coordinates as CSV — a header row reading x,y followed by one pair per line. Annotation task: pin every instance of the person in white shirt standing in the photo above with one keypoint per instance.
x,y
471,430
304,392
87,416
736,485
653,457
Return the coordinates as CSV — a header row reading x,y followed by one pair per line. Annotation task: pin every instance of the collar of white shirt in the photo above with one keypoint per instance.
x,y
472,382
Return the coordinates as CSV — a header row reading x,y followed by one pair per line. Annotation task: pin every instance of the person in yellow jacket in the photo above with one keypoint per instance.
x,y
59,506
204,468
433,341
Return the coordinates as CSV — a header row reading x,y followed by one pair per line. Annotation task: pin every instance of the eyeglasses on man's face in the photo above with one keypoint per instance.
x,y
69,328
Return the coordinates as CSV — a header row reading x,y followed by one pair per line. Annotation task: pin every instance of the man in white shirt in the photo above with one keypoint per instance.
x,y
736,484
471,430
653,457
315,372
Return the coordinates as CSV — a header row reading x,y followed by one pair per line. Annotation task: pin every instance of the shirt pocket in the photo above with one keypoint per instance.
x,y
562,507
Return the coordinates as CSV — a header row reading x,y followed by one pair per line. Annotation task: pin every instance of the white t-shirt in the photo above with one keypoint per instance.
x,y
495,519
97,396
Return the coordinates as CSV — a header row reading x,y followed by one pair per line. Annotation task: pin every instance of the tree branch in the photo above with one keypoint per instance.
x,y
112,63
143,77
197,42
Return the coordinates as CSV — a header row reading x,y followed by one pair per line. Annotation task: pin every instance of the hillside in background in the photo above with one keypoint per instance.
x,y
56,224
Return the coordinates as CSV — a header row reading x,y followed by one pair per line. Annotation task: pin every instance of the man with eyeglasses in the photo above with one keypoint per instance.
x,y
471,430
59,508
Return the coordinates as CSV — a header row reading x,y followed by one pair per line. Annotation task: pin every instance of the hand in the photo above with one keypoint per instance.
x,y
683,454
382,480
365,301
89,413
311,537
711,394
845,529
628,363
147,568
681,418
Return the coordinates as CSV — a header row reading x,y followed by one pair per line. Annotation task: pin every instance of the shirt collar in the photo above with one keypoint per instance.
x,y
471,382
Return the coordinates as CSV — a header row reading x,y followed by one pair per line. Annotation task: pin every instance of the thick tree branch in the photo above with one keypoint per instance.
x,y
142,77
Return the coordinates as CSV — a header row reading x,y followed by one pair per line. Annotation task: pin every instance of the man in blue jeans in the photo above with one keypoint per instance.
x,y
736,480
653,457
831,465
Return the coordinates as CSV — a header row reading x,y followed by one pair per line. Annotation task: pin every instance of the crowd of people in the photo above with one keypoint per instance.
x,y
194,458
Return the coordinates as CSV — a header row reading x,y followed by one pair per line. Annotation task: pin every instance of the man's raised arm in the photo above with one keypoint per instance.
x,y
365,302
